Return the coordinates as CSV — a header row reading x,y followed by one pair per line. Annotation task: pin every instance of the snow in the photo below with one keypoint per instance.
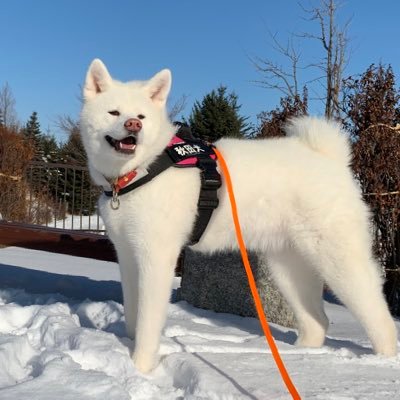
x,y
58,347
60,263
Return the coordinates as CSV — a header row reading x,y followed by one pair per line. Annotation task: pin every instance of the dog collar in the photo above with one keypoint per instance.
x,y
124,181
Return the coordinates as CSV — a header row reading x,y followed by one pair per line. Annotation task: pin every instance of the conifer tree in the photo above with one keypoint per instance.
x,y
217,116
80,194
72,151
49,147
33,134
43,178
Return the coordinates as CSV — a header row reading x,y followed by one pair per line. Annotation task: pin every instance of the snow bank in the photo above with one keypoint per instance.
x,y
52,347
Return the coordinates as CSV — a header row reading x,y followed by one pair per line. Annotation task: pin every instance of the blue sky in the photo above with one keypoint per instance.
x,y
47,46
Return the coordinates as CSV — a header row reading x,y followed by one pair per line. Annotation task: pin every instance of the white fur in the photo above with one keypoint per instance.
x,y
299,207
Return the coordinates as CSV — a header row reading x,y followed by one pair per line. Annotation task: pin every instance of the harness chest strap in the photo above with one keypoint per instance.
x,y
181,153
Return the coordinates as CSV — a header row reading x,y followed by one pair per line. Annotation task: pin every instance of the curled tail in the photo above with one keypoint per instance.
x,y
323,136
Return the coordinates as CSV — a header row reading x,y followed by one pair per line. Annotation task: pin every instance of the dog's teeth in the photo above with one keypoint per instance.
x,y
124,146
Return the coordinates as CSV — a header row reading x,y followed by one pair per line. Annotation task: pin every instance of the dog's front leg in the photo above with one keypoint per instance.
x,y
156,268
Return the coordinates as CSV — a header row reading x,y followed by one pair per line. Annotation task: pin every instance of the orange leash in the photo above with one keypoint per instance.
x,y
259,307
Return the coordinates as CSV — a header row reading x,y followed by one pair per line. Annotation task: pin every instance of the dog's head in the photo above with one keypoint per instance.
x,y
124,125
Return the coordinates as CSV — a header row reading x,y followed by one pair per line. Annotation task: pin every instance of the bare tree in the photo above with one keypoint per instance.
x,y
7,107
177,107
68,125
334,41
275,75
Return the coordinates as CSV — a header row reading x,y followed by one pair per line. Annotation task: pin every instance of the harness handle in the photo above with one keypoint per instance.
x,y
253,287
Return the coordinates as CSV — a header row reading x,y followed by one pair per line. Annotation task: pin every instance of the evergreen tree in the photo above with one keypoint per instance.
x,y
49,147
79,194
217,116
33,134
73,152
43,177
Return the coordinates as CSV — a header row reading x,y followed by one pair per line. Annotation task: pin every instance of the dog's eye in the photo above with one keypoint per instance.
x,y
141,116
115,113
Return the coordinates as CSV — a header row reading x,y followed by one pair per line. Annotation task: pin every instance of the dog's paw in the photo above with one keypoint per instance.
x,y
143,362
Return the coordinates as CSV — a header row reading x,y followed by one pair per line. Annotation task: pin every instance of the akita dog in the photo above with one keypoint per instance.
x,y
298,203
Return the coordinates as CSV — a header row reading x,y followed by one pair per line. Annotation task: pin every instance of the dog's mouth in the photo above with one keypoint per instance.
x,y
126,145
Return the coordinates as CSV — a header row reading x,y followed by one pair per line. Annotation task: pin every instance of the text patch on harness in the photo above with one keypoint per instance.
x,y
186,153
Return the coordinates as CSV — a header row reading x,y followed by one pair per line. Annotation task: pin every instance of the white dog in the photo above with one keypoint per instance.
x,y
298,203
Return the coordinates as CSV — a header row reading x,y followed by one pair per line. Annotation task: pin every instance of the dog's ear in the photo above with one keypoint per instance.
x,y
98,79
159,86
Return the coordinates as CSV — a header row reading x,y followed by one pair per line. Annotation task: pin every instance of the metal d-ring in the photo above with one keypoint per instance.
x,y
115,202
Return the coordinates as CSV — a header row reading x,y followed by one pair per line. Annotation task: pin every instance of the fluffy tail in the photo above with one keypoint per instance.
x,y
325,137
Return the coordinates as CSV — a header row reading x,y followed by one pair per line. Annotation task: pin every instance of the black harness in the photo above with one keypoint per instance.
x,y
185,151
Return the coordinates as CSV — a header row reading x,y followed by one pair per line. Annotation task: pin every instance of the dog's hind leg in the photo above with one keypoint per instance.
x,y
350,271
302,288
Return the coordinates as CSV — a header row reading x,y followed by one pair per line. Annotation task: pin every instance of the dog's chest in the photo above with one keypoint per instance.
x,y
171,199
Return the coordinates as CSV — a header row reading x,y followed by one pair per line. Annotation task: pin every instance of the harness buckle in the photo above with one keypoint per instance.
x,y
210,182
207,203
210,178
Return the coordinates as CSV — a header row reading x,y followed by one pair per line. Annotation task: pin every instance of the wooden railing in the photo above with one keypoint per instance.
x,y
65,241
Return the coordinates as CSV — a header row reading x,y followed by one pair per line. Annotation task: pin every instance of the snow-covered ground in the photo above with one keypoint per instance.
x,y
53,347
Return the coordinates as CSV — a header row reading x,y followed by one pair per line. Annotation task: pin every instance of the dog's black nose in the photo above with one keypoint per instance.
x,y
133,125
